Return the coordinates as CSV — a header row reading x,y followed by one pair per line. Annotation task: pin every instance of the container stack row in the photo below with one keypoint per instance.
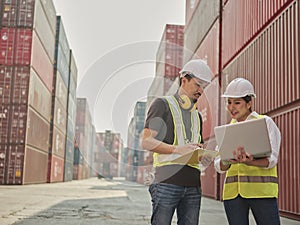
x,y
257,40
28,151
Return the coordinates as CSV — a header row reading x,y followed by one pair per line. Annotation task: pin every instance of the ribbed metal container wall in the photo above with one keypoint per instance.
x,y
190,7
208,102
71,117
41,63
39,96
271,62
203,18
44,29
243,20
288,166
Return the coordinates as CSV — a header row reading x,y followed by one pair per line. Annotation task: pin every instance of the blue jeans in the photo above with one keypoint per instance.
x,y
166,198
264,210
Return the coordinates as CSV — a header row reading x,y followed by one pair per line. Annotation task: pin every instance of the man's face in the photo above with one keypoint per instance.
x,y
193,88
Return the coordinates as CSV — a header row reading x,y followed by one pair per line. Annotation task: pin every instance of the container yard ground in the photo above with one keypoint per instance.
x,y
91,201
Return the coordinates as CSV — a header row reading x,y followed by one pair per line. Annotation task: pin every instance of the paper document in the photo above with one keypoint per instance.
x,y
190,157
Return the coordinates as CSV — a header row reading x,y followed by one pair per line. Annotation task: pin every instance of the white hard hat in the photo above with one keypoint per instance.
x,y
238,88
198,68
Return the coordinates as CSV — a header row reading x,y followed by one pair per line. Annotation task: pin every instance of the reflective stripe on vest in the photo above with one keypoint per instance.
x,y
180,137
250,181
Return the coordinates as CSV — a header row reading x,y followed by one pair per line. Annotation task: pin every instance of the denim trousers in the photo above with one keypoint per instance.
x,y
168,198
264,210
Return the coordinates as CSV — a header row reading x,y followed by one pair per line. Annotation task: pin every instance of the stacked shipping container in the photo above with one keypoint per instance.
x,y
83,136
26,83
71,119
169,55
58,124
268,55
258,40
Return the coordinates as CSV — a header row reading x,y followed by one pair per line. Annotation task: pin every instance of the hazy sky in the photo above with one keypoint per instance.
x,y
115,45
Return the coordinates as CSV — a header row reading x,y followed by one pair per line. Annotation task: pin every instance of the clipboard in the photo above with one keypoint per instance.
x,y
190,157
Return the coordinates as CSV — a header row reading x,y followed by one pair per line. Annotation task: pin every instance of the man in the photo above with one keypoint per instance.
x,y
174,126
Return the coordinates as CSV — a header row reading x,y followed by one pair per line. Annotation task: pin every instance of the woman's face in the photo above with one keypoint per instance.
x,y
238,108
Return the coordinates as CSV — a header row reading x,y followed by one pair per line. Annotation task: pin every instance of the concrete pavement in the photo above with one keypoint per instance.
x,y
91,201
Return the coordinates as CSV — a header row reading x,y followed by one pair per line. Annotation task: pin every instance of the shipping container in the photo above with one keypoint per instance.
x,y
40,97
69,153
73,67
272,57
11,164
17,123
41,62
7,45
288,121
35,166
9,11
77,172
49,11
6,78
190,7
43,30
61,91
17,13
239,30
58,143
203,19
26,13
60,116
38,131
5,112
20,85
55,169
68,171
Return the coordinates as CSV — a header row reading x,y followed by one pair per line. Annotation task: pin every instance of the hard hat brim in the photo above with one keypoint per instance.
x,y
237,96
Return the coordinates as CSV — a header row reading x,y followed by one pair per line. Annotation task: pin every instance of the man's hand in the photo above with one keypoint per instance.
x,y
183,149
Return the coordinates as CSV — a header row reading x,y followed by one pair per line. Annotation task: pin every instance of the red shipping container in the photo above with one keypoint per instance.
x,y
56,169
15,163
3,151
6,76
15,46
40,98
9,13
244,20
20,87
23,47
58,143
35,167
7,45
41,63
4,123
38,131
18,124
26,13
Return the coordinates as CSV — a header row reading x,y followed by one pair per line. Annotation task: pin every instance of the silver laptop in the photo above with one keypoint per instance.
x,y
252,134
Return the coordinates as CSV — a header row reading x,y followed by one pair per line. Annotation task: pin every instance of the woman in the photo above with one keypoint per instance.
x,y
250,183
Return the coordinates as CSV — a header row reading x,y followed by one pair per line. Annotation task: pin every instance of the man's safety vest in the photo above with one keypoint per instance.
x,y
250,181
180,137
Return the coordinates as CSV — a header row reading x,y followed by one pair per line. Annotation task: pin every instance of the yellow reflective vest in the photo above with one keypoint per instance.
x,y
179,132
250,181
